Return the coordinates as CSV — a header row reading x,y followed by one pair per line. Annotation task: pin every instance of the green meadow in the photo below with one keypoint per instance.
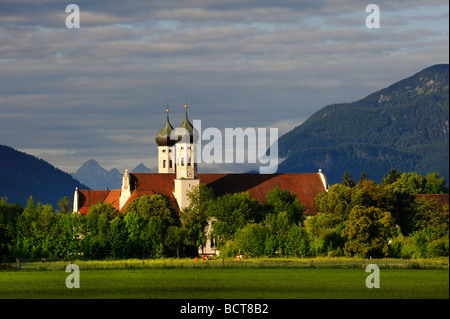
x,y
222,279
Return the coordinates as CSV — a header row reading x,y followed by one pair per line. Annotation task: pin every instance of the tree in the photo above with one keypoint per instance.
x,y
412,183
33,227
278,200
9,214
347,180
68,236
334,205
134,226
278,226
194,217
298,243
430,214
96,243
368,230
155,234
154,205
5,240
435,184
250,240
368,193
147,219
363,177
231,212
65,206
391,178
117,236
175,239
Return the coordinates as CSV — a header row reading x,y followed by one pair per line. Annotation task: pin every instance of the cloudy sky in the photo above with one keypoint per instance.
x,y
100,91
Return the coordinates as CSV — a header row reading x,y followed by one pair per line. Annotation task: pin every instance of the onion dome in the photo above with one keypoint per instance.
x,y
187,126
163,136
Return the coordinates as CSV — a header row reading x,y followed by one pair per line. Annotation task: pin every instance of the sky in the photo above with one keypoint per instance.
x,y
100,91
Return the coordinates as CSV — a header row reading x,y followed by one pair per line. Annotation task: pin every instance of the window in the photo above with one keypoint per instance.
x,y
164,163
170,163
182,161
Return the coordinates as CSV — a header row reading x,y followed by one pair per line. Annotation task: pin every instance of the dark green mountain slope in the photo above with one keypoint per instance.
x,y
23,175
404,126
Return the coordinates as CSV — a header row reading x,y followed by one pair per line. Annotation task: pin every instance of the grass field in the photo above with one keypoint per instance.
x,y
263,279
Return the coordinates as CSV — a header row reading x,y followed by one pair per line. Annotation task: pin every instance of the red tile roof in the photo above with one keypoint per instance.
x,y
113,198
442,199
87,198
306,186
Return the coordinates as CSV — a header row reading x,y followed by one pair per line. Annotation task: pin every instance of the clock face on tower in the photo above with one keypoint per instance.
x,y
189,174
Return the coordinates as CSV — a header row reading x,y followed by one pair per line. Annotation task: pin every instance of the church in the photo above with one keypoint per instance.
x,y
177,175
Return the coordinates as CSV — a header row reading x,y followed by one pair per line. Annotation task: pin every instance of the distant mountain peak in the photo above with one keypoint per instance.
x,y
141,168
95,176
90,165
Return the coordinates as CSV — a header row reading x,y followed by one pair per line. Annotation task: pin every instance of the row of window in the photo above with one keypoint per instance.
x,y
170,151
181,162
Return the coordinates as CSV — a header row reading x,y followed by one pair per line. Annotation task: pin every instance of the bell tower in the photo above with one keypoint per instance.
x,y
166,151
186,167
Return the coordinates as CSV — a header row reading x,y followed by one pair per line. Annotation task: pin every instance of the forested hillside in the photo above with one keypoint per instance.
x,y
404,126
23,175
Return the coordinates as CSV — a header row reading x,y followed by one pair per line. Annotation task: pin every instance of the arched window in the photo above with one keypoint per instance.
x,y
182,161
170,163
164,163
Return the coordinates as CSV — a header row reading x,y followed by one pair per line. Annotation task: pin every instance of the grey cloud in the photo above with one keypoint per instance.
x,y
100,91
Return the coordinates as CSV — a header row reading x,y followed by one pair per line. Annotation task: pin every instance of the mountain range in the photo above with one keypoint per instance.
x,y
404,126
92,174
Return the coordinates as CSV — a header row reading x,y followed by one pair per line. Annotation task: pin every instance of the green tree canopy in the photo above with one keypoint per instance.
x,y
278,200
334,205
368,230
194,217
231,212
154,206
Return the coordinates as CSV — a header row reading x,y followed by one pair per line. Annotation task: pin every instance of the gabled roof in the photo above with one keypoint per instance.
x,y
113,198
305,185
87,198
158,183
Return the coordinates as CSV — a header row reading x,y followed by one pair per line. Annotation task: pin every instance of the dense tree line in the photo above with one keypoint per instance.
x,y
149,227
362,219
